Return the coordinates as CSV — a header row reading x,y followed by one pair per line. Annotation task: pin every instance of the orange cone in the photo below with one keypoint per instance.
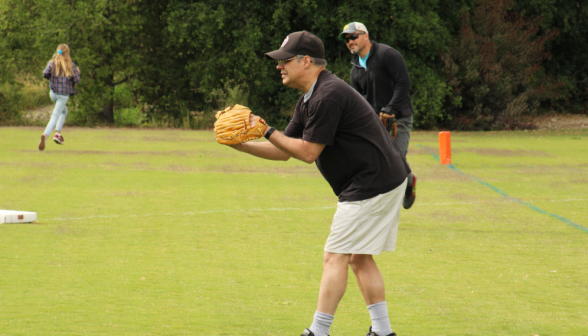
x,y
445,148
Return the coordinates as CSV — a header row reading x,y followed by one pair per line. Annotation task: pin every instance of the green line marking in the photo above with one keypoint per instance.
x,y
530,206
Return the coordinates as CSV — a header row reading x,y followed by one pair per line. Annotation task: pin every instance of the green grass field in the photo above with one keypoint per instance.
x,y
163,232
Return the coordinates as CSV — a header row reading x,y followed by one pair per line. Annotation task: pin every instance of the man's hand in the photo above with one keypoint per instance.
x,y
253,119
389,121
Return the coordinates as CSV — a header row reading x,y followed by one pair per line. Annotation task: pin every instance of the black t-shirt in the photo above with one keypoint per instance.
x,y
360,159
385,82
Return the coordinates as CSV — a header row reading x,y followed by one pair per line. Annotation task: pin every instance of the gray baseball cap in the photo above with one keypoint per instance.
x,y
352,28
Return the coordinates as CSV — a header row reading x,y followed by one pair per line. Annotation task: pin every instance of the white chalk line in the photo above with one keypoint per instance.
x,y
278,209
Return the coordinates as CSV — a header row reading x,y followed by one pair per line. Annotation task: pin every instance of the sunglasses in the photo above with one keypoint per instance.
x,y
282,62
352,37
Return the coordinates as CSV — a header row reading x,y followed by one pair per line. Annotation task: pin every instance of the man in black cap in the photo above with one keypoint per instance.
x,y
379,73
336,128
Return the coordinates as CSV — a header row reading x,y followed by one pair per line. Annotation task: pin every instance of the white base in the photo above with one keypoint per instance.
x,y
11,216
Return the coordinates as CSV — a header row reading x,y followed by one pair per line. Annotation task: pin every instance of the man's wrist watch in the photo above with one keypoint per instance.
x,y
269,132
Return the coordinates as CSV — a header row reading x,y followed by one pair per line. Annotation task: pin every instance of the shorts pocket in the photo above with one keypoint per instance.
x,y
380,205
348,209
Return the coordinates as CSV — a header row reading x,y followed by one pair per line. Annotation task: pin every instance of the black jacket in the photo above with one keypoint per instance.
x,y
385,82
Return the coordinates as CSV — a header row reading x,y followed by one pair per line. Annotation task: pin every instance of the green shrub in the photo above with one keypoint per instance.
x,y
569,50
35,93
428,94
124,96
10,104
127,117
494,69
19,96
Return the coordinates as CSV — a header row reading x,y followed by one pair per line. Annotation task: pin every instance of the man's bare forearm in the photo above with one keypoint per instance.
x,y
264,150
297,148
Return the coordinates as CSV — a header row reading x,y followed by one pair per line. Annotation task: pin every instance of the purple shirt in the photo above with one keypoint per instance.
x,y
62,85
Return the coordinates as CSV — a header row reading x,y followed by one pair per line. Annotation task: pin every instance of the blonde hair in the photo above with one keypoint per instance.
x,y
62,64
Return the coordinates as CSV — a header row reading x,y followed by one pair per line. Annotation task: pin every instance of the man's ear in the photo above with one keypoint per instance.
x,y
307,62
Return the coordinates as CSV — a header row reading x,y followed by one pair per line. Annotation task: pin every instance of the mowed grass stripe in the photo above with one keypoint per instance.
x,y
502,193
468,261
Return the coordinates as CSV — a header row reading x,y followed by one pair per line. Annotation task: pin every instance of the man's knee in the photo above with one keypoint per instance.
x,y
357,261
335,258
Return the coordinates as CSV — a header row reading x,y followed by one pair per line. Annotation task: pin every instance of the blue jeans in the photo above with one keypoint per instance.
x,y
59,113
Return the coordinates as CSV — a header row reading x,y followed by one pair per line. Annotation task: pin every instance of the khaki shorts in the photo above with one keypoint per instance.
x,y
366,227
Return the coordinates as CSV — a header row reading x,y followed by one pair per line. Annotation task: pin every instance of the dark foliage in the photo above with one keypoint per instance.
x,y
472,66
494,69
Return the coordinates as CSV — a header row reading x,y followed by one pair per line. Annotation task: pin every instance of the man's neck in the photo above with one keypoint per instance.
x,y
366,49
307,85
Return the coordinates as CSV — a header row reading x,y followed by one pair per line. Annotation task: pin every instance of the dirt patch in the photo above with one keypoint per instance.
x,y
581,180
41,114
434,138
422,150
561,169
500,152
306,199
561,121
153,153
226,169
141,166
168,139
232,169
441,174
550,121
419,151
180,168
426,150
116,164
171,138
28,164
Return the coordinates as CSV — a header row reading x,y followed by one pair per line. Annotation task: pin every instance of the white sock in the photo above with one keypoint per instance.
x,y
321,324
380,320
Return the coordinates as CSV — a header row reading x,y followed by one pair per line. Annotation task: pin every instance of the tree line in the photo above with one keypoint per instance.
x,y
474,65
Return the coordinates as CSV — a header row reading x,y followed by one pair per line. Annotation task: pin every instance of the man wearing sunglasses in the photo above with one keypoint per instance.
x,y
380,74
335,127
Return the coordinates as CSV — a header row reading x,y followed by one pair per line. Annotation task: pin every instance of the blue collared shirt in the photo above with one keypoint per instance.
x,y
362,61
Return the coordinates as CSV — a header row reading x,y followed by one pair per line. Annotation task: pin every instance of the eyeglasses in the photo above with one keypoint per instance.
x,y
352,37
282,62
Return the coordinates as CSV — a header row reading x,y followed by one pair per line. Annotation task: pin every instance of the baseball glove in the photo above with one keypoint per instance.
x,y
232,126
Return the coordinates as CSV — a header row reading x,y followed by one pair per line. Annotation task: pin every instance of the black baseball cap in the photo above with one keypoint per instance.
x,y
299,43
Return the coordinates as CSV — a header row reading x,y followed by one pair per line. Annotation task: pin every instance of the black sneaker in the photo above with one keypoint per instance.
x,y
371,333
410,194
